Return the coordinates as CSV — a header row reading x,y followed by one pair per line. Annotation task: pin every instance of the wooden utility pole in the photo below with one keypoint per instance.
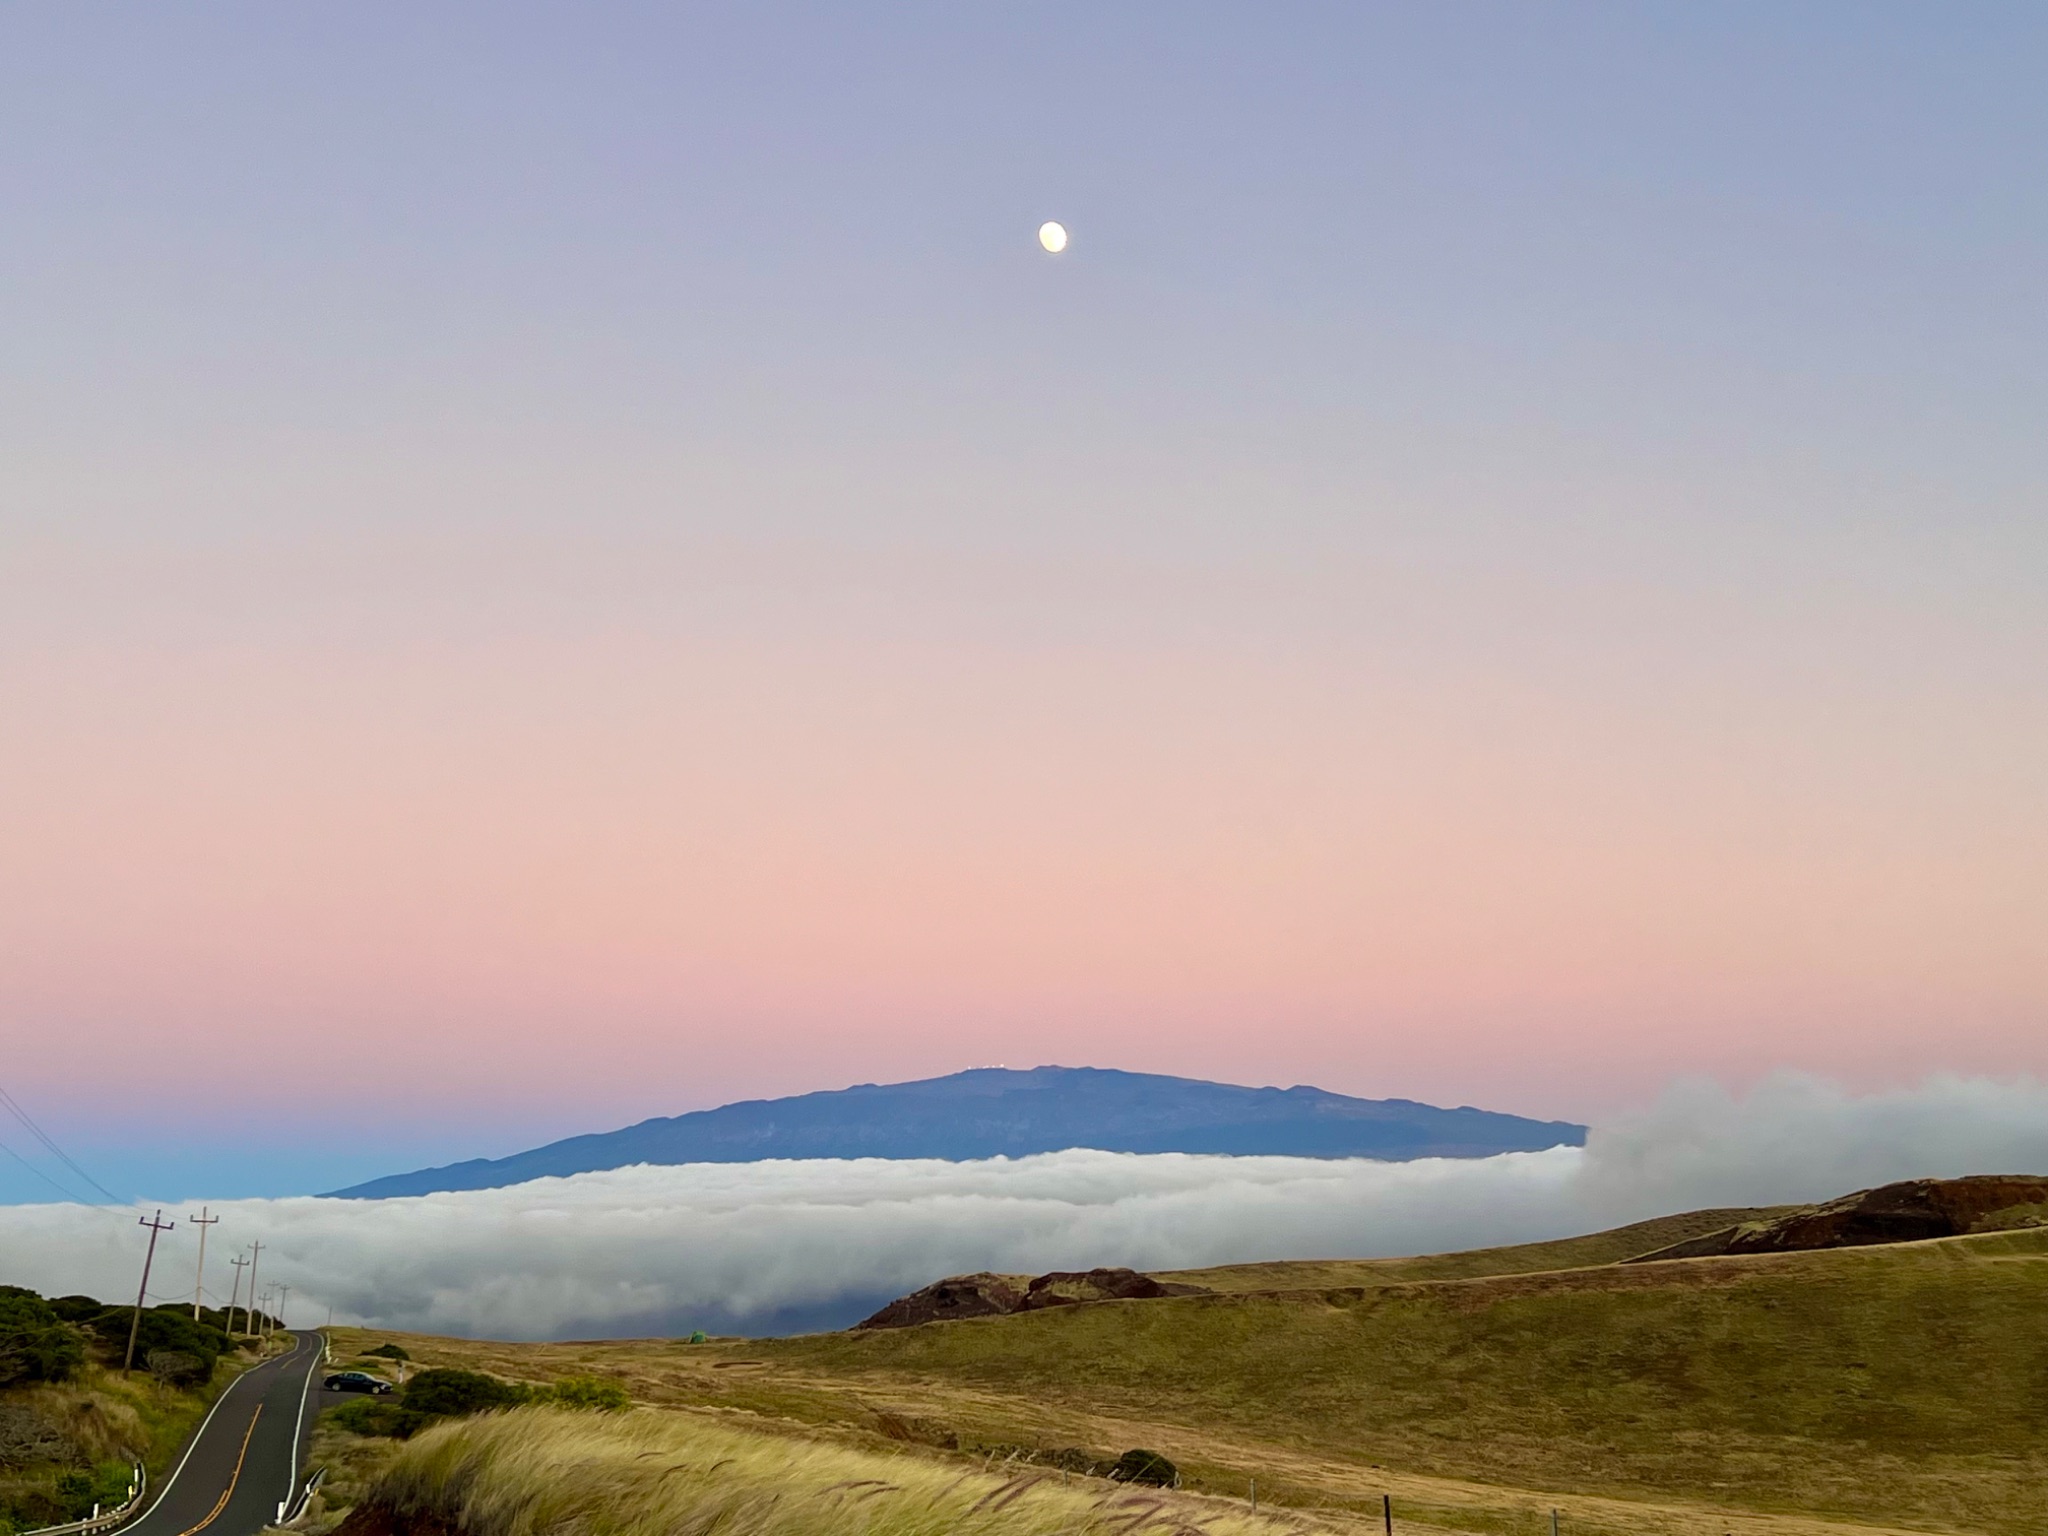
x,y
235,1291
155,1224
284,1294
202,1221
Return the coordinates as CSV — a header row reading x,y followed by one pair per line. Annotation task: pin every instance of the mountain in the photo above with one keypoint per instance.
x,y
995,1112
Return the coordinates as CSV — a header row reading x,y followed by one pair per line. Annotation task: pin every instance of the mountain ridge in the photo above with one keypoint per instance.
x,y
997,1112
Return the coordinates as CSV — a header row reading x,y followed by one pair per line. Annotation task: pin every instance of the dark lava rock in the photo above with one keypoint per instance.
x,y
1907,1212
981,1295
1066,1288
987,1295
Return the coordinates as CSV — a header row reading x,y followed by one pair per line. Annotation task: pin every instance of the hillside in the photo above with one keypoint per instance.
x,y
1887,1387
994,1112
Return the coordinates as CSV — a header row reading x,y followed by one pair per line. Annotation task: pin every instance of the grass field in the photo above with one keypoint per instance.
x,y
1896,1388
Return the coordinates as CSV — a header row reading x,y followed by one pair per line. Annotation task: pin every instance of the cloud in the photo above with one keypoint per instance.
x,y
766,1247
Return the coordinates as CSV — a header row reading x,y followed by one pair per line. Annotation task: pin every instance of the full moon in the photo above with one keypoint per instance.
x,y
1052,236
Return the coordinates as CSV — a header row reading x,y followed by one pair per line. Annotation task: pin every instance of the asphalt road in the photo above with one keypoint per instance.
x,y
245,1460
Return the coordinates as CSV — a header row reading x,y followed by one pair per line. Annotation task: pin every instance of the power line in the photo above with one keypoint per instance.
x,y
69,1194
8,1101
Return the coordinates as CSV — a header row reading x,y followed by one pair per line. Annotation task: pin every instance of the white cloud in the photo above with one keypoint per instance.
x,y
770,1246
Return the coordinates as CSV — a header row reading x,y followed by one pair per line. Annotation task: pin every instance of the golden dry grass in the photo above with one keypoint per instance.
x,y
536,1472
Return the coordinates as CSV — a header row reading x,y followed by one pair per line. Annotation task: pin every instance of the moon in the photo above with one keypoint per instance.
x,y
1053,236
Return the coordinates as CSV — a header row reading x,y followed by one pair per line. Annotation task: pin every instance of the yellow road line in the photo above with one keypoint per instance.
x,y
229,1492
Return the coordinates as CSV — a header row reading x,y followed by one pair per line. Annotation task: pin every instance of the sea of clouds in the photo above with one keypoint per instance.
x,y
782,1246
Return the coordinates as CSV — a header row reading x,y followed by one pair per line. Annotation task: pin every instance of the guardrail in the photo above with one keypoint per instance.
x,y
293,1509
138,1490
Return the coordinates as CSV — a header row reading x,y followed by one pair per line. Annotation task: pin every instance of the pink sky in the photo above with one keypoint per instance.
x,y
545,873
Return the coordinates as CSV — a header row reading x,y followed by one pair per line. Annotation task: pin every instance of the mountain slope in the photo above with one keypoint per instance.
x,y
995,1112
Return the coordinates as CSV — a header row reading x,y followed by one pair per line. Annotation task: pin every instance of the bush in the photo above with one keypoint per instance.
x,y
174,1367
35,1344
378,1416
447,1393
77,1309
105,1485
1148,1467
389,1352
162,1330
591,1392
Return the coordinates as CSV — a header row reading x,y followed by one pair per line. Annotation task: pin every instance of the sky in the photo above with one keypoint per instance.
x,y
563,564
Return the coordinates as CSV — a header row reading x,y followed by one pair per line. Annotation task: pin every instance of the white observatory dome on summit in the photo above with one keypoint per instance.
x,y
1052,236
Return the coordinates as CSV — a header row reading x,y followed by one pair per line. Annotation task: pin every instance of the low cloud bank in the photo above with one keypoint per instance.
x,y
769,1247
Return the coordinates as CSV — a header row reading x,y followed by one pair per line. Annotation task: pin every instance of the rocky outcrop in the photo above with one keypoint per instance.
x,y
1066,1288
987,1295
957,1296
1911,1211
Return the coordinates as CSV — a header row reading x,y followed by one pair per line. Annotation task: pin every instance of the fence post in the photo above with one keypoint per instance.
x,y
1255,1495
1387,1511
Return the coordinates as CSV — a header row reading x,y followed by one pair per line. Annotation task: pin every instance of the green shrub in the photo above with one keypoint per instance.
x,y
77,1309
592,1392
447,1393
1148,1467
162,1329
379,1416
105,1485
35,1343
389,1352
174,1367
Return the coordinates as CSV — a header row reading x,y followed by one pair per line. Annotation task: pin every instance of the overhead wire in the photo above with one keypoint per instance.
x,y
69,1194
8,1101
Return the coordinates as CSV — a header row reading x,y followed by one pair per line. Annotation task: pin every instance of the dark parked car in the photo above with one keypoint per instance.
x,y
355,1381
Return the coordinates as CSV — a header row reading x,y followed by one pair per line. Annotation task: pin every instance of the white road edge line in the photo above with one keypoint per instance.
x,y
291,1471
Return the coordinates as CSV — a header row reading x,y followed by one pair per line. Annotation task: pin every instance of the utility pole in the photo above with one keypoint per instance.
x,y
255,1257
284,1294
155,1224
202,1221
235,1291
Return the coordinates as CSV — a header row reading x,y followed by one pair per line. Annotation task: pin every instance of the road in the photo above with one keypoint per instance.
x,y
245,1460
